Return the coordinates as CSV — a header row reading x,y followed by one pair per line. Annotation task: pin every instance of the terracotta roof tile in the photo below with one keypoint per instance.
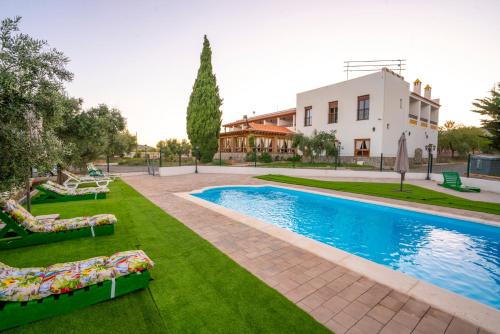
x,y
269,128
282,113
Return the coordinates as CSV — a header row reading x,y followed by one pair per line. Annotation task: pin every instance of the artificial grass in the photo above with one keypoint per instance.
x,y
411,192
196,288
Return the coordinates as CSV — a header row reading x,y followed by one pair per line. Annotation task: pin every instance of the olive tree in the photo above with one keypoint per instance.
x,y
32,102
321,143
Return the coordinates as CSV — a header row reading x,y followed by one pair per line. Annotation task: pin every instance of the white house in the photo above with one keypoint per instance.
x,y
368,113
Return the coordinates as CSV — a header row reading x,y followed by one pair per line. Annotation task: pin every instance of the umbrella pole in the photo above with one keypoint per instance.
x,y
401,185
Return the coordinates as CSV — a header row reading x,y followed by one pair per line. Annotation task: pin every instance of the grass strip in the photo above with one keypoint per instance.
x,y
412,192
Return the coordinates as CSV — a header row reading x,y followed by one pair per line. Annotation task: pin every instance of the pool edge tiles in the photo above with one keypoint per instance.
x,y
453,303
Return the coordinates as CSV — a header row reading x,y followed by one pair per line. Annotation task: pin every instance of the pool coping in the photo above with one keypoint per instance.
x,y
475,312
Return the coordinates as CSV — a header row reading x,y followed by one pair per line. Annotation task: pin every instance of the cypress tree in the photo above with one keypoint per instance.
x,y
204,116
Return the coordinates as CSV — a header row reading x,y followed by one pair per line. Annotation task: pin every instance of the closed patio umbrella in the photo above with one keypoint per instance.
x,y
401,166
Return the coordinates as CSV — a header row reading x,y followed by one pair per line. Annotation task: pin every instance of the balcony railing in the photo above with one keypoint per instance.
x,y
424,119
412,116
434,123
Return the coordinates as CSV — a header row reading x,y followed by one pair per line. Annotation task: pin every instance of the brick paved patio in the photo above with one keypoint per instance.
x,y
342,300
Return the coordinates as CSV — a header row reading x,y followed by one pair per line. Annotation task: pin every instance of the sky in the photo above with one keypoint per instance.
x,y
142,56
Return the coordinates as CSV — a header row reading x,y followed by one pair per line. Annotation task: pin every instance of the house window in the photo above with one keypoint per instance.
x,y
363,107
333,112
400,103
362,148
308,116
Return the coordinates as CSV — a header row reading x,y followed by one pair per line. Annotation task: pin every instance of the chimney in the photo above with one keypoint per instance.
x,y
427,92
417,87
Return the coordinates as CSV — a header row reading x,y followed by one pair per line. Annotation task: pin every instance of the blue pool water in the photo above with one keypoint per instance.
x,y
457,255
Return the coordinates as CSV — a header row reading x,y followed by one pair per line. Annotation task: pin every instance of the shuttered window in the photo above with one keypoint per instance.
x,y
333,112
363,107
308,116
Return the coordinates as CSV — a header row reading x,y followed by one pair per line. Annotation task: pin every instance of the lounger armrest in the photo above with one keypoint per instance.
x,y
48,217
102,183
72,185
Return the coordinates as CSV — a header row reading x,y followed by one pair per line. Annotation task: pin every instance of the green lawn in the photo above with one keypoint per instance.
x,y
412,193
196,288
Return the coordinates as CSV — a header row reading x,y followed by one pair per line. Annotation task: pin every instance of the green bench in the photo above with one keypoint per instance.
x,y
451,180
18,228
31,294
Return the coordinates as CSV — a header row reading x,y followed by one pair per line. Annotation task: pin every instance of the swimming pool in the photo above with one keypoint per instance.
x,y
454,254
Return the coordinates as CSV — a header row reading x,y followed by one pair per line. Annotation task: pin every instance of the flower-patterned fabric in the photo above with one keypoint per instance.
x,y
19,284
62,190
29,222
19,214
65,277
129,261
24,284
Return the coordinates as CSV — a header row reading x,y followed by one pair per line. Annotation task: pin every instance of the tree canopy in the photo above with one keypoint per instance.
x,y
32,103
321,143
462,139
173,148
99,131
490,107
204,116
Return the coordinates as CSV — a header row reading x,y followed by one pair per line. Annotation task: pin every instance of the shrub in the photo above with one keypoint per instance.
x,y
132,162
265,157
250,156
294,158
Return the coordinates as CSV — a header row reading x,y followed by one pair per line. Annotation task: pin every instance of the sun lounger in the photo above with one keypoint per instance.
x,y
74,181
30,294
452,180
54,192
96,172
20,228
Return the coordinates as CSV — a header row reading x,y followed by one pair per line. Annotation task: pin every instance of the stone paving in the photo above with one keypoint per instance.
x,y
342,300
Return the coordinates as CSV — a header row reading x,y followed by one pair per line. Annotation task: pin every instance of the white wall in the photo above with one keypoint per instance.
x,y
485,185
179,170
395,116
385,90
306,172
348,127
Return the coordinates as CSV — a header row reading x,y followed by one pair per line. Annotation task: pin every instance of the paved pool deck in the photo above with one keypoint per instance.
x,y
341,299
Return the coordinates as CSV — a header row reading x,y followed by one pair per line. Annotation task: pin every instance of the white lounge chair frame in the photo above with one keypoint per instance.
x,y
74,181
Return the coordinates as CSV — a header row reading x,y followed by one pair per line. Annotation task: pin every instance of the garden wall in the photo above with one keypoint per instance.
x,y
485,185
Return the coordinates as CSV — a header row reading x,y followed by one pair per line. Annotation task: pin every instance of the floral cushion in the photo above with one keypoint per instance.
x,y
65,277
78,222
62,190
23,284
23,217
20,284
129,261
19,214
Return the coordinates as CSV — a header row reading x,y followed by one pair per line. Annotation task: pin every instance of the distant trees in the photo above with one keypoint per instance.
x,y
203,113
462,139
174,148
320,143
99,131
32,101
490,106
